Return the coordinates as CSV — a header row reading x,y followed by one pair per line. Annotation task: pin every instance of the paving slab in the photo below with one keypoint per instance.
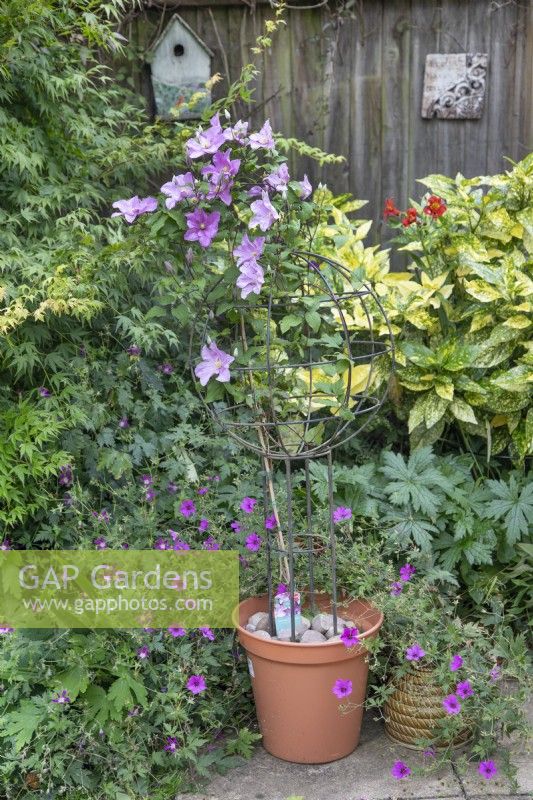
x,y
364,775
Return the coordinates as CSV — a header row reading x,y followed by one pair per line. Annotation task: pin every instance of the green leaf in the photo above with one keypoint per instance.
x,y
515,506
22,723
463,411
290,321
314,320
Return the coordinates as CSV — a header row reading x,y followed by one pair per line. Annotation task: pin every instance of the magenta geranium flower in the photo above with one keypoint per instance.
x,y
177,632
237,527
206,142
6,544
201,226
204,525
134,207
5,630
248,504
350,637
487,769
211,544
207,633
451,704
161,544
143,652
400,770
61,698
203,490
172,744
196,684
396,588
407,572
44,392
166,368
123,423
495,673
253,542
456,663
65,475
214,362
270,522
342,688
181,187
429,752
134,350
464,689
149,495
187,508
251,279
342,513
414,653
263,138
172,488
305,188
263,213
249,249
146,480
100,543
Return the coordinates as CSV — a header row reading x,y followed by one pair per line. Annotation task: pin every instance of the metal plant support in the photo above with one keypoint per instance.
x,y
258,425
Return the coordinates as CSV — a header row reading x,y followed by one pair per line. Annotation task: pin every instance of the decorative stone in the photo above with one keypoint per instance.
x,y
249,627
336,638
322,622
262,634
312,636
260,620
306,623
284,636
341,625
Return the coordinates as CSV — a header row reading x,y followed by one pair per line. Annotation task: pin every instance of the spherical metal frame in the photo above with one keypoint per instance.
x,y
269,431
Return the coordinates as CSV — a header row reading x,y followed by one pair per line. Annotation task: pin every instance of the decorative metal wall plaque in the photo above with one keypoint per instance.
x,y
454,85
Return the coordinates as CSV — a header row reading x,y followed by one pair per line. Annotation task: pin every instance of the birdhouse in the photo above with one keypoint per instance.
x,y
181,66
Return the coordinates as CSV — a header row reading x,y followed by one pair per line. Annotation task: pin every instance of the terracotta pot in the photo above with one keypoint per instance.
x,y
413,711
298,714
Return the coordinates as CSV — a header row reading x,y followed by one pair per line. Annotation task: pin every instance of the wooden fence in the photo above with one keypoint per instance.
x,y
351,83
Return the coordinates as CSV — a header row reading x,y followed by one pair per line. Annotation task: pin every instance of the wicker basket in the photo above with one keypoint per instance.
x,y
413,711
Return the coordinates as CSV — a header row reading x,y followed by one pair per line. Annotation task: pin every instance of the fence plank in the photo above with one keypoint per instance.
x,y
353,85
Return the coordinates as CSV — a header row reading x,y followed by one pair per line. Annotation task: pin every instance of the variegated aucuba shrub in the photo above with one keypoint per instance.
x,y
462,311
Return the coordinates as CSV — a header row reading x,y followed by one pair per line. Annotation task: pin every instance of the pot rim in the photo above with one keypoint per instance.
x,y
275,642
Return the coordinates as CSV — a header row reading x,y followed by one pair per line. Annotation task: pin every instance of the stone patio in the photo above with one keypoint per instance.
x,y
364,775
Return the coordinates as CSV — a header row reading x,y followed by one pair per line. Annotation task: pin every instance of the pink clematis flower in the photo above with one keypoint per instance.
x,y
305,188
134,207
279,180
263,138
201,226
249,249
206,142
251,279
214,362
181,187
264,213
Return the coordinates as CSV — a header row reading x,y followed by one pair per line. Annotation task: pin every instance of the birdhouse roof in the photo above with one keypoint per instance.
x,y
176,18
